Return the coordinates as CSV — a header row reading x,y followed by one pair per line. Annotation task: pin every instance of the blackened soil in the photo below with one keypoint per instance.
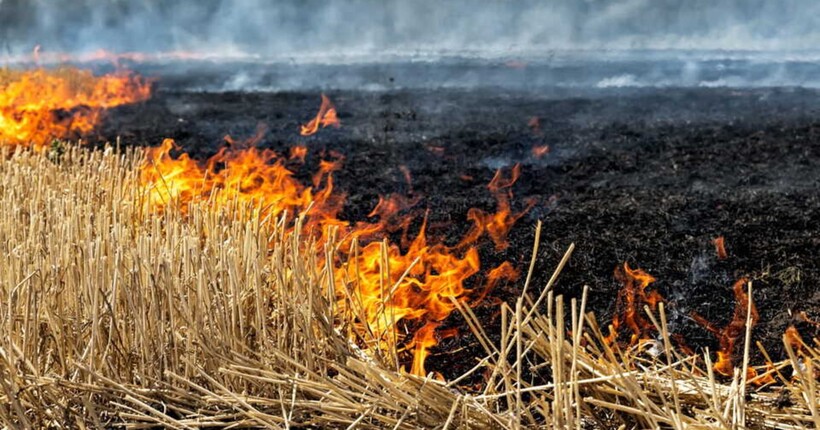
x,y
647,177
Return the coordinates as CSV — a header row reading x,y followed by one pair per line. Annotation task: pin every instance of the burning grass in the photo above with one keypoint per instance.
x,y
215,312
42,104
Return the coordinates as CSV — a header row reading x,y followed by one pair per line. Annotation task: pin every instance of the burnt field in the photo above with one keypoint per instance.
x,y
644,176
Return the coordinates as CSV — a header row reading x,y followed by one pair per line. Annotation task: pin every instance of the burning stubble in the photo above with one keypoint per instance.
x,y
385,286
39,105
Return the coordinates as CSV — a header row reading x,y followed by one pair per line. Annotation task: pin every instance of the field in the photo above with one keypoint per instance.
x,y
116,313
405,258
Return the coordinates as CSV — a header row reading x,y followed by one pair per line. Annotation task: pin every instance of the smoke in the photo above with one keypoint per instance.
x,y
274,29
525,44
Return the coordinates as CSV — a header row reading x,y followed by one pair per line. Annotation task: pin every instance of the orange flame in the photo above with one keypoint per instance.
x,y
728,336
390,289
324,118
39,105
631,299
720,248
498,224
246,175
755,378
298,153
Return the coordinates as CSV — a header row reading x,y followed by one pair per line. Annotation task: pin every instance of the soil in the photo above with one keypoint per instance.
x,y
644,176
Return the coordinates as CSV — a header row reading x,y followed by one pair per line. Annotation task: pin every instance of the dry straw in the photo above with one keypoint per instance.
x,y
116,315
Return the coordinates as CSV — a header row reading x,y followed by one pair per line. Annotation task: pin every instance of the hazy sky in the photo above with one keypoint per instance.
x,y
288,27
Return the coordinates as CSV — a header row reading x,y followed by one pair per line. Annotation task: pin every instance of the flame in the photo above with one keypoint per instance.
x,y
631,298
720,248
390,289
39,105
728,336
324,118
755,378
497,225
793,338
298,153
246,175
420,285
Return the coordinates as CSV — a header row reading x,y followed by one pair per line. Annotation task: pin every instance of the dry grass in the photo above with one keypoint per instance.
x,y
116,315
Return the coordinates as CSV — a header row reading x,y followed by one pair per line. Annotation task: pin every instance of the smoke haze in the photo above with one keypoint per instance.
x,y
312,27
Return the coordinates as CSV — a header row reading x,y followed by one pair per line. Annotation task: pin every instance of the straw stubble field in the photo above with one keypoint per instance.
x,y
117,314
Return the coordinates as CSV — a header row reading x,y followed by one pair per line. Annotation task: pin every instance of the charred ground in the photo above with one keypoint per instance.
x,y
646,176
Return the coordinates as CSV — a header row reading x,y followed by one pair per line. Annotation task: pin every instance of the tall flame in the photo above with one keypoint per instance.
x,y
631,298
387,287
39,105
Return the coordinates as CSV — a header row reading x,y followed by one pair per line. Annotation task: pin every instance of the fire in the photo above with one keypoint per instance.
x,y
758,379
390,289
298,153
629,304
419,286
497,225
729,335
324,118
720,248
246,175
634,295
39,105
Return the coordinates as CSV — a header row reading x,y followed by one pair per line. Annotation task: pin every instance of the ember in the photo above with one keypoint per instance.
x,y
720,248
539,151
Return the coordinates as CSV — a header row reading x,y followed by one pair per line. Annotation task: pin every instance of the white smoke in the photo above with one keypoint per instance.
x,y
563,43
299,27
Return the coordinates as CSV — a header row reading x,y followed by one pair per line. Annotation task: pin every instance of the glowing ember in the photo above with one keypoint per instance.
x,y
539,151
729,335
792,337
324,118
39,105
628,306
381,284
720,248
